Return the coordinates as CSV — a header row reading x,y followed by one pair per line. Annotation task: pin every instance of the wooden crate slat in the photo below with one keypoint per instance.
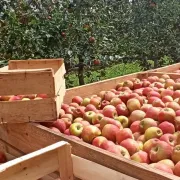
x,y
169,68
27,82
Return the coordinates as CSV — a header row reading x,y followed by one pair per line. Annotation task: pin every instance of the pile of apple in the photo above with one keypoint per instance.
x,y
177,71
23,97
139,120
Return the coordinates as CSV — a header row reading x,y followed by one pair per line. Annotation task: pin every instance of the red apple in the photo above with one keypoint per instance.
x,y
146,90
74,104
145,107
106,120
169,82
98,141
90,107
147,123
97,118
167,127
14,98
153,113
152,99
124,96
169,138
109,112
162,167
108,96
128,84
136,115
166,99
110,146
166,114
138,84
176,94
96,102
60,124
115,101
153,94
177,169
158,103
165,76
167,92
173,105
122,110
61,113
135,126
104,103
167,162
178,113
176,154
148,145
55,129
67,132
141,157
123,134
77,99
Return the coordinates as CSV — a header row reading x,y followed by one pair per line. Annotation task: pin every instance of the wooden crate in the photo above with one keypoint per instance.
x,y
38,164
95,163
32,77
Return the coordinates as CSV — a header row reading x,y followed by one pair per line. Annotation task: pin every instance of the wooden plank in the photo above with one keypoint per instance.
x,y
169,68
159,74
30,137
45,160
28,111
36,64
27,82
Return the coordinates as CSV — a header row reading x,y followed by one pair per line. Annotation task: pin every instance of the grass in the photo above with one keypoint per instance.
x,y
107,73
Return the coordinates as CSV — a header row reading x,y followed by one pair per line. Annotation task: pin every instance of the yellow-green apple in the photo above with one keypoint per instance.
x,y
141,157
108,96
167,162
123,120
119,85
55,129
169,138
96,101
77,99
176,94
140,143
123,151
79,111
67,132
166,99
173,105
128,84
109,131
136,115
145,107
98,141
69,116
153,132
153,113
115,101
60,124
61,113
149,144
167,127
166,114
79,119
123,134
133,104
14,98
122,110
3,157
152,99
177,169
90,107
42,96
141,138
85,102
158,103
106,120
109,112
135,126
169,82
147,123
165,76
131,145
88,116
76,129
89,133
97,118
146,90
104,103
176,86
74,104
162,167
160,151
176,154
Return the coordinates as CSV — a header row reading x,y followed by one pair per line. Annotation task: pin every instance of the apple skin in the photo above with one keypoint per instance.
x,y
74,104
166,99
153,132
169,138
128,84
89,133
122,110
90,107
123,134
149,144
109,146
85,123
131,145
177,123
145,107
3,157
123,151
138,84
61,113
96,102
167,162
158,103
152,99
176,94
109,131
166,114
167,127
162,167
75,138
147,123
69,116
67,132
115,101
173,105
176,86
124,96
98,141
60,124
55,129
154,94
177,169
153,113
14,98
146,90
135,126
169,82
167,92
165,76
67,121
176,154
108,96
123,120
106,120
89,115
97,118
25,99
133,104
77,99
141,138
136,115
85,102
136,135
178,113
141,157
109,112
104,103
152,79
76,129
42,96
160,151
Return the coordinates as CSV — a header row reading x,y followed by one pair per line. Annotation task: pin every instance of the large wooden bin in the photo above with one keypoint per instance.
x,y
90,163
32,77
